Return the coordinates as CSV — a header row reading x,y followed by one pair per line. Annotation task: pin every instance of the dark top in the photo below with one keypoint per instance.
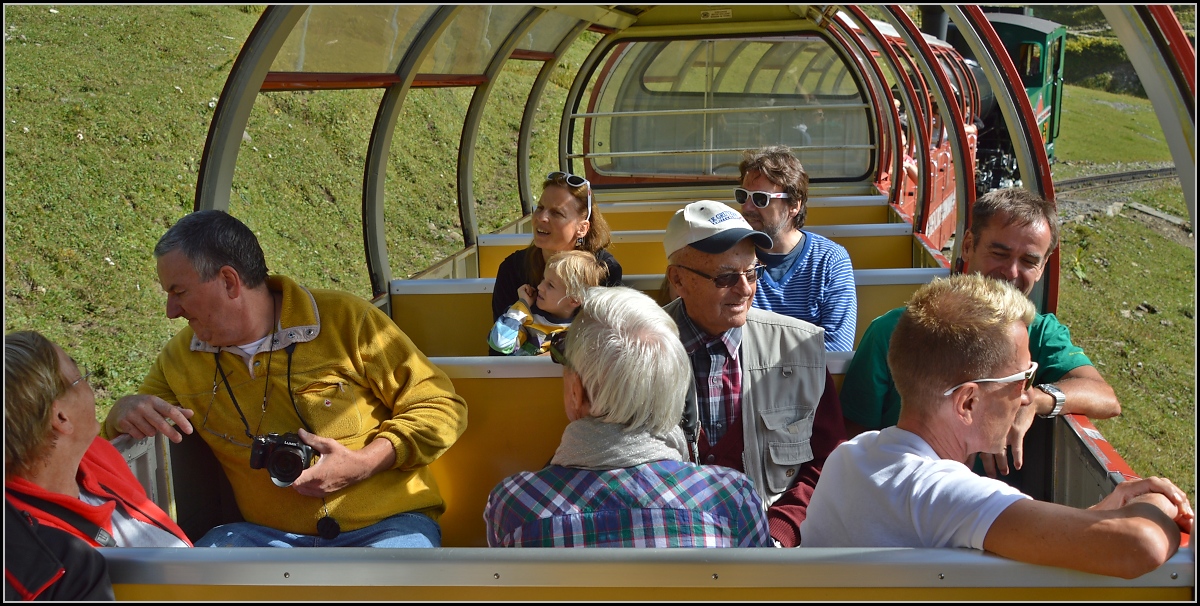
x,y
512,275
45,563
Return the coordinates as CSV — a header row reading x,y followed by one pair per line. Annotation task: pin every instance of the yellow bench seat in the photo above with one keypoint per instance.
x,y
453,317
873,246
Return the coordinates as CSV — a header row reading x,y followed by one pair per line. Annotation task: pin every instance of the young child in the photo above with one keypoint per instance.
x,y
525,329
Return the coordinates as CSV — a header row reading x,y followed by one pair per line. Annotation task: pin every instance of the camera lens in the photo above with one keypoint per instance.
x,y
286,464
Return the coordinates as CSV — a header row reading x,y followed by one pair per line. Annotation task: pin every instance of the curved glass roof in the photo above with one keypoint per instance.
x,y
467,48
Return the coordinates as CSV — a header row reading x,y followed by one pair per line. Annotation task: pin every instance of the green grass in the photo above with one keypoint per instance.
x,y
1111,265
1141,338
107,110
1106,130
102,151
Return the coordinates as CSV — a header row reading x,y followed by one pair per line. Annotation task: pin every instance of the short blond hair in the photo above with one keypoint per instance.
x,y
579,270
953,329
33,380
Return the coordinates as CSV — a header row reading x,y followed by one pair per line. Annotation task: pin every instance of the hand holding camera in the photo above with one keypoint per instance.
x,y
284,456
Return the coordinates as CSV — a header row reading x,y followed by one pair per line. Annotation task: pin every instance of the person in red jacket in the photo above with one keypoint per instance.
x,y
57,468
53,565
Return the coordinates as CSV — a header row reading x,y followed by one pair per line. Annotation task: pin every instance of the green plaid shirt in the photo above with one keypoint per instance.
x,y
658,504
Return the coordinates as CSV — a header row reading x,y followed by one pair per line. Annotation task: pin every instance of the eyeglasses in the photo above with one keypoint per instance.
x,y
558,348
728,280
761,198
1024,375
204,423
574,181
83,377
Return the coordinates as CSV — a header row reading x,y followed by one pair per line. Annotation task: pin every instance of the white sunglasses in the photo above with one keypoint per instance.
x,y
574,181
1024,375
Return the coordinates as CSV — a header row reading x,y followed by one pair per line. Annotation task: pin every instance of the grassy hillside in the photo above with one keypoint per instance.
x,y
107,109
1128,287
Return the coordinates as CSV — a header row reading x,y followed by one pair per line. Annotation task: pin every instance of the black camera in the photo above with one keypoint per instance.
x,y
284,456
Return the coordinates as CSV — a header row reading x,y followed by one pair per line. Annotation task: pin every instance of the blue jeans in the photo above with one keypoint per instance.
x,y
400,530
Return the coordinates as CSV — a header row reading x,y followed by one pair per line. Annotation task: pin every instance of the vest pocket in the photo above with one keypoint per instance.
x,y
328,405
783,463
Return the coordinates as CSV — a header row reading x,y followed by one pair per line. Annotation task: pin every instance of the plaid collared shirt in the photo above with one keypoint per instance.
x,y
657,504
718,374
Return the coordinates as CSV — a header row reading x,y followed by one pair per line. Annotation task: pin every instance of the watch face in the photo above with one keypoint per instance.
x,y
1054,391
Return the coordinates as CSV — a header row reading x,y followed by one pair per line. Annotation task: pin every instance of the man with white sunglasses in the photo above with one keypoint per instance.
x,y
808,276
960,358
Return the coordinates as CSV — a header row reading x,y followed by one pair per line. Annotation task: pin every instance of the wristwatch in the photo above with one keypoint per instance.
x,y
1060,398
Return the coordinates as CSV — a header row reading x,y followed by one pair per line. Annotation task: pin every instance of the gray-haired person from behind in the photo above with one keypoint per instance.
x,y
621,476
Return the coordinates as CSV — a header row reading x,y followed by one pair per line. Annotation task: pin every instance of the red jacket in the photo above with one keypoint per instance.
x,y
102,472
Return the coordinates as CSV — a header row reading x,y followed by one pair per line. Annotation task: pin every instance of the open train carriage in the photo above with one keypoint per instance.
x,y
656,116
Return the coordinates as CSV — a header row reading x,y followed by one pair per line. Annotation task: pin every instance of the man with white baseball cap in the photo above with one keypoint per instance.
x,y
766,405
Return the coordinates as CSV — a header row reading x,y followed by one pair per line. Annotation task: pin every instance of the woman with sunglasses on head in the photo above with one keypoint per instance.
x,y
57,467
565,219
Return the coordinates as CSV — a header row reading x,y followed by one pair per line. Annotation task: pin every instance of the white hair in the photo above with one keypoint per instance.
x,y
626,351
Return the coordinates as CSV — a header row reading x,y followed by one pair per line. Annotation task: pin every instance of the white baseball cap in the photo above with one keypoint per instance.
x,y
711,227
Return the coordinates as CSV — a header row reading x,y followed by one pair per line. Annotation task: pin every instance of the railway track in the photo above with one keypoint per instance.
x,y
1084,183
1067,186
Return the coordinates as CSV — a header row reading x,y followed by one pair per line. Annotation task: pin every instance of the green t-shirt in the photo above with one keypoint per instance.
x,y
869,395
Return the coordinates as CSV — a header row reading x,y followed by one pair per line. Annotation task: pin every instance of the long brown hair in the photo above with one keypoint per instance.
x,y
597,238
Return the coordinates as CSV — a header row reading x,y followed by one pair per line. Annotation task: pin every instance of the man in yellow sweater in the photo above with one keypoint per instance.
x,y
272,375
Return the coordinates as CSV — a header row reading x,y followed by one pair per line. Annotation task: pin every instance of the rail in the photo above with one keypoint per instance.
x,y
1132,176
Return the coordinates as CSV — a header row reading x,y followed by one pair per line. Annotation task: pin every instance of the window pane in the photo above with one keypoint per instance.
x,y
700,103
488,25
355,39
549,30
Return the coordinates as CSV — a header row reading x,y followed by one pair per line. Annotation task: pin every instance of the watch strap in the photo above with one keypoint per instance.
x,y
1060,398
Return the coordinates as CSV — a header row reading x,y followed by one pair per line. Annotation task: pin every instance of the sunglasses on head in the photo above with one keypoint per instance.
x,y
574,181
760,198
558,348
1024,375
731,278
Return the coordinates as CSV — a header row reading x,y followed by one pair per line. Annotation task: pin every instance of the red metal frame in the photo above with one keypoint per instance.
x,y
882,153
1105,454
276,81
946,227
1182,51
531,55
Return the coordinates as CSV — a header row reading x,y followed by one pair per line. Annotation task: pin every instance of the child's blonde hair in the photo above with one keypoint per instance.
x,y
579,270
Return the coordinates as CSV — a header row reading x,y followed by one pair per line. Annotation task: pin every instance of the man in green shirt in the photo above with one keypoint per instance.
x,y
1012,233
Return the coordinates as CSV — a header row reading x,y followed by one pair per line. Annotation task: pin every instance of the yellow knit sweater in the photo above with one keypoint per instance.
x,y
355,376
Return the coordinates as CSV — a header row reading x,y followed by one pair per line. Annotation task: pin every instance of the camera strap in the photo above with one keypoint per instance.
x,y
225,379
327,527
290,349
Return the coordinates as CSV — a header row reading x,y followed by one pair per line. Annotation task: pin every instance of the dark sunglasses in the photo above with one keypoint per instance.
x,y
574,181
760,198
558,348
729,279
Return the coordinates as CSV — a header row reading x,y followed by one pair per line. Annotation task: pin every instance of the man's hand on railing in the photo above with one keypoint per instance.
x,y
144,415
